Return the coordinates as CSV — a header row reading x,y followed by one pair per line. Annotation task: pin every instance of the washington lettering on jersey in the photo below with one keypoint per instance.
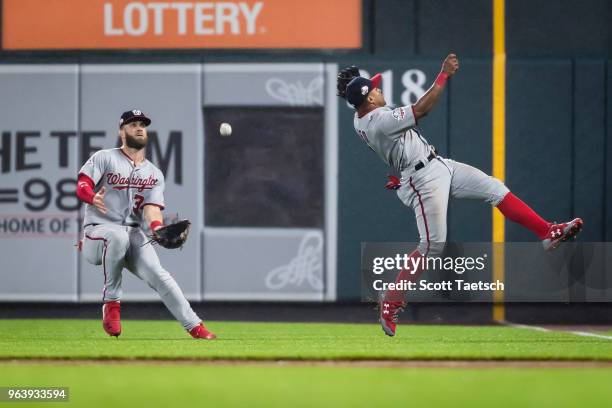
x,y
129,187
121,183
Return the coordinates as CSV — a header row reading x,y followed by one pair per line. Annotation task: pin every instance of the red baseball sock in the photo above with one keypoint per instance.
x,y
405,274
516,210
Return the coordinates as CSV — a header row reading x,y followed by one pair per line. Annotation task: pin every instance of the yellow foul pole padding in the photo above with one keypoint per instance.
x,y
499,148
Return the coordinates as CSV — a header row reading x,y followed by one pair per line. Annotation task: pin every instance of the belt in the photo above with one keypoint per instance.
x,y
133,225
420,164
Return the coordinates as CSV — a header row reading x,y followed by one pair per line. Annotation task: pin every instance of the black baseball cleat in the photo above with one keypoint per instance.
x,y
558,233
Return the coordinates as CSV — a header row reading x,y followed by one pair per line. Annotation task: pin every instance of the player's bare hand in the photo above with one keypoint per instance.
x,y
450,64
98,200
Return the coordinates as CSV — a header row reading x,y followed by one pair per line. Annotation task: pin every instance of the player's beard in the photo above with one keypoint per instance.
x,y
134,143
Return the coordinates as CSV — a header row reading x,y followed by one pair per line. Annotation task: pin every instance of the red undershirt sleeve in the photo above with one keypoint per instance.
x,y
84,191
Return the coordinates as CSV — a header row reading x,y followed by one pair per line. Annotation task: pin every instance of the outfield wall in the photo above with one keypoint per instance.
x,y
558,121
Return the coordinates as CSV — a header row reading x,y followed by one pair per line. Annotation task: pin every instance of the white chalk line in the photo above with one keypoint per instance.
x,y
544,329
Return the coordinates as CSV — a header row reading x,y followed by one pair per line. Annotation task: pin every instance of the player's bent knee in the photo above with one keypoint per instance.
x,y
92,257
496,191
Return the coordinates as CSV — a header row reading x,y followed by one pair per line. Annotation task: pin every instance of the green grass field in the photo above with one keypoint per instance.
x,y
69,339
135,385
151,382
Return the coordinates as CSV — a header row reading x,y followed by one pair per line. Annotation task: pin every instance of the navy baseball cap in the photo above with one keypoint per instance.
x,y
358,89
132,116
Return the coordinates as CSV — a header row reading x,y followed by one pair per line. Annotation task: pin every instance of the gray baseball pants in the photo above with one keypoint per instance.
x,y
427,192
116,247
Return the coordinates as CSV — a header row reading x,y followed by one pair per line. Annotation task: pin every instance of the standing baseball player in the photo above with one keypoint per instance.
x,y
427,179
122,190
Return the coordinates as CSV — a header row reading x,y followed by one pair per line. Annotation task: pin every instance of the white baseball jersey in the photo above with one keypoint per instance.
x,y
389,132
129,187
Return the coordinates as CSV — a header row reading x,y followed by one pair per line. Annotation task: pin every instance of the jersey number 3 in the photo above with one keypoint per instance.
x,y
138,201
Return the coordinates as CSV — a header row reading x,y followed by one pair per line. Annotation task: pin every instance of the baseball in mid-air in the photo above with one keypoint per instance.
x,y
225,129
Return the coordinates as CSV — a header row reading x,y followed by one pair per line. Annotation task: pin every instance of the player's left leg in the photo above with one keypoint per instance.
x,y
427,192
471,183
142,260
107,245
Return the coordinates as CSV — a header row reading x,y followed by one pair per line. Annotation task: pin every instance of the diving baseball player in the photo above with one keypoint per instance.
x,y
427,179
122,190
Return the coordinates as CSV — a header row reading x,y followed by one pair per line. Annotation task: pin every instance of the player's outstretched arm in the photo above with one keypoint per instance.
x,y
426,102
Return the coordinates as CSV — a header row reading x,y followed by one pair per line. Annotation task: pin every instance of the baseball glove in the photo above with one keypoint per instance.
x,y
344,77
173,235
